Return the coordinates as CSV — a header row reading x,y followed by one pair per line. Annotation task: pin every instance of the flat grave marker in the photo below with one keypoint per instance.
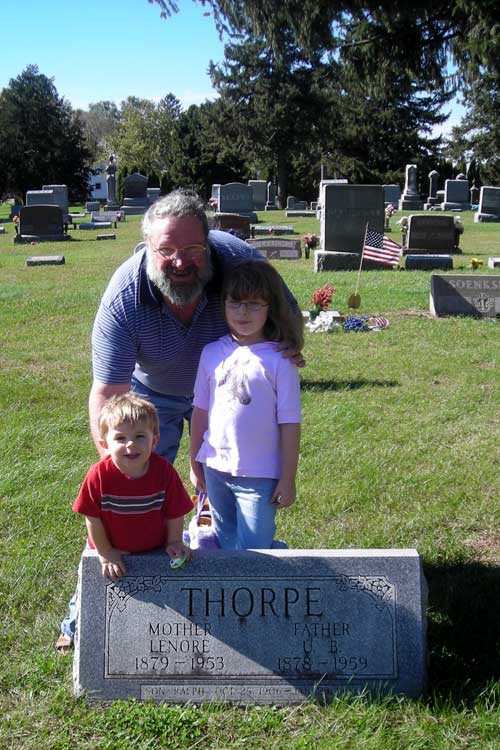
x,y
45,260
255,626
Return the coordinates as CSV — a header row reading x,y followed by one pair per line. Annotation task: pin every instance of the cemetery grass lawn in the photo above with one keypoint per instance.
x,y
399,449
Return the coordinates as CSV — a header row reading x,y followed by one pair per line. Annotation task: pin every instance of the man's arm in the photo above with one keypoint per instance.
x,y
99,393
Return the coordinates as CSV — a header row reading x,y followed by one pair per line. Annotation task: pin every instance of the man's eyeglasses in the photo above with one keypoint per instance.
x,y
252,307
192,252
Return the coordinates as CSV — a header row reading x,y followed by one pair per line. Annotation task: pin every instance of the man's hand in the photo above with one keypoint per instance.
x,y
291,353
112,565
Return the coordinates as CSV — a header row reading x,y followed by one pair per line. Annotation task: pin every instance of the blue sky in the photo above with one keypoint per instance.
x,y
111,49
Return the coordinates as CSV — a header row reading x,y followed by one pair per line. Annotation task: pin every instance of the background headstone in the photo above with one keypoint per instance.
x,y
392,194
465,294
259,191
135,199
60,193
237,198
431,233
45,260
456,195
277,248
429,263
432,199
238,225
345,212
410,200
489,205
42,223
268,627
271,197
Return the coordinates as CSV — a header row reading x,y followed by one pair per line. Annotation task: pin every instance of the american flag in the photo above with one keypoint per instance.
x,y
382,249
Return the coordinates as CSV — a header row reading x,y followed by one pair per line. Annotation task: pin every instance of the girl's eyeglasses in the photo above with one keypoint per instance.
x,y
247,306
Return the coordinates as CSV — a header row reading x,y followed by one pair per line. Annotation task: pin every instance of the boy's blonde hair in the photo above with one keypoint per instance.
x,y
129,407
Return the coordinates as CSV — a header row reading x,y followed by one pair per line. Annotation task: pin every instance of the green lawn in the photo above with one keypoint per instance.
x,y
400,449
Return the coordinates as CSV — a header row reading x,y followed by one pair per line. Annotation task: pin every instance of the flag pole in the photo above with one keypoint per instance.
x,y
355,300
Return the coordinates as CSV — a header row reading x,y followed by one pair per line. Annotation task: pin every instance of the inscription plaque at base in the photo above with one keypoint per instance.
x,y
269,626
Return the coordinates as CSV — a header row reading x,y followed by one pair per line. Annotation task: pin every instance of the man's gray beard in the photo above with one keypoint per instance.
x,y
179,294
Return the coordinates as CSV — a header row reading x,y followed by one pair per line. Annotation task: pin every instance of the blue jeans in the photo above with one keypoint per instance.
x,y
172,411
242,516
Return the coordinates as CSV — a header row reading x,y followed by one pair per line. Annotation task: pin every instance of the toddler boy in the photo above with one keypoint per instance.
x,y
133,499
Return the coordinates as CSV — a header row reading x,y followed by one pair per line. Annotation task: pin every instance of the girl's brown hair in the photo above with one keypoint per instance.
x,y
257,279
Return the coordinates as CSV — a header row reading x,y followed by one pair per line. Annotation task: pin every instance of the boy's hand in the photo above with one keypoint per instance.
x,y
178,549
284,494
112,565
291,353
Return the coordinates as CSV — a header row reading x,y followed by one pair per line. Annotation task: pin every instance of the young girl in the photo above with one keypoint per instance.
x,y
245,427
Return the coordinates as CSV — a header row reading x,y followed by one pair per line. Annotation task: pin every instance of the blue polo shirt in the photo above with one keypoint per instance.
x,y
135,333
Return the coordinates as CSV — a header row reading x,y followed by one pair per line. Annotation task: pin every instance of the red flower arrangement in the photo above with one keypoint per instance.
x,y
321,299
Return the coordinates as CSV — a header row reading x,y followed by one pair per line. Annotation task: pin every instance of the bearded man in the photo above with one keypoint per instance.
x,y
161,307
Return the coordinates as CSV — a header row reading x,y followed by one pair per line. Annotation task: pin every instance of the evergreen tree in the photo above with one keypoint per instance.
x,y
270,105
41,139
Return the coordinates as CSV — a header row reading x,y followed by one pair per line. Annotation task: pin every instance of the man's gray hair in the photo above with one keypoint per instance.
x,y
177,203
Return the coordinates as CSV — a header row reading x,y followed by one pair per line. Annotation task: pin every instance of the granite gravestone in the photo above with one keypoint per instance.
x,y
489,204
42,223
40,198
237,198
493,262
292,204
277,248
429,263
474,196
60,196
345,212
456,195
432,233
265,626
432,199
135,201
410,200
234,223
153,194
392,194
271,197
466,294
259,191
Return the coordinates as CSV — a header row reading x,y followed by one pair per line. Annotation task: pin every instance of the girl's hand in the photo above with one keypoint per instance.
x,y
284,494
197,476
112,565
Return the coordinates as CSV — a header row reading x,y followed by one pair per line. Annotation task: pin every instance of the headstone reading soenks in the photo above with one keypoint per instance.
x,y
268,626
477,295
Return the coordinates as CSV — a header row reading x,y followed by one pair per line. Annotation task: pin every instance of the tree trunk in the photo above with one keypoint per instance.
x,y
282,180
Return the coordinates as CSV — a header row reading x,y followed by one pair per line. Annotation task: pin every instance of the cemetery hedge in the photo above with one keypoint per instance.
x,y
400,449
